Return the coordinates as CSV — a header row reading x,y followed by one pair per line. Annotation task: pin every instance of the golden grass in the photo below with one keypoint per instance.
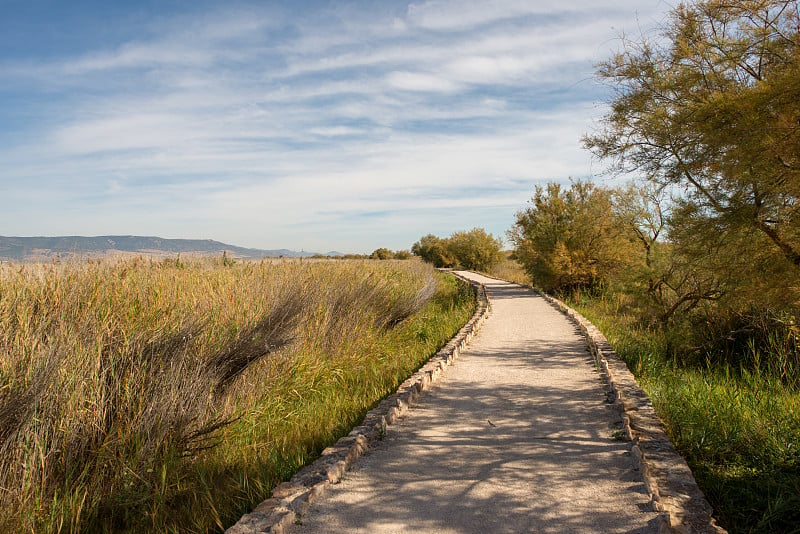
x,y
171,396
508,269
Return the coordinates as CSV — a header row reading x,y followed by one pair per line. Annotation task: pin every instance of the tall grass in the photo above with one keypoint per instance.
x,y
509,269
737,426
171,396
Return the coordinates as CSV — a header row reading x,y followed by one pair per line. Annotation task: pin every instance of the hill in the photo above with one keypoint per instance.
x,y
43,248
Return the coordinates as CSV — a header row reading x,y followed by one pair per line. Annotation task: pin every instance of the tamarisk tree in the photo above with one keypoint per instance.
x,y
711,110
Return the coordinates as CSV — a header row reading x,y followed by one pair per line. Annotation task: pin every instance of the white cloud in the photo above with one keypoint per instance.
x,y
464,14
418,81
336,131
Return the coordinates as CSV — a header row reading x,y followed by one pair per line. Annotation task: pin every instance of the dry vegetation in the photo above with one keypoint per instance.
x,y
171,396
509,269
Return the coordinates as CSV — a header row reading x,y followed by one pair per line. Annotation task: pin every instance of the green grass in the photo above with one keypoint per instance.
x,y
172,396
739,429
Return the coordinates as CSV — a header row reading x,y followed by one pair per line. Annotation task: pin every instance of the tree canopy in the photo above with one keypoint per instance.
x,y
711,112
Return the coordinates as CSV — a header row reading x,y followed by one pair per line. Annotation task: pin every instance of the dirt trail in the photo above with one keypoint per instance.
x,y
517,437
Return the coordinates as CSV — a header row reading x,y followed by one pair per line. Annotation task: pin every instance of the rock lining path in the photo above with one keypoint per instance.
x,y
517,436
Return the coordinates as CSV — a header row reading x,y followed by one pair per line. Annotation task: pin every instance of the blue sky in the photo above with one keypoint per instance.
x,y
342,125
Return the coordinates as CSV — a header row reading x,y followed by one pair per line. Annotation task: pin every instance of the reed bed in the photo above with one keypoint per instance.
x,y
172,395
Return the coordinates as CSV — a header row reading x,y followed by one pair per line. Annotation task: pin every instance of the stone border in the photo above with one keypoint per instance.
x,y
291,499
672,487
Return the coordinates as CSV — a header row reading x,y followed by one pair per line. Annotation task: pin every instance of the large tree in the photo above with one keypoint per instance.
x,y
711,110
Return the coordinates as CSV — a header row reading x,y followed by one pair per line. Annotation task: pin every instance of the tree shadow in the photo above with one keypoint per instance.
x,y
509,454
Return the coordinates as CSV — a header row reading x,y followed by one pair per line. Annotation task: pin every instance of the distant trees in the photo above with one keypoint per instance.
x,y
386,254
382,254
474,249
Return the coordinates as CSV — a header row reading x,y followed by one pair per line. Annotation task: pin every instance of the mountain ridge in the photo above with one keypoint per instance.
x,y
43,247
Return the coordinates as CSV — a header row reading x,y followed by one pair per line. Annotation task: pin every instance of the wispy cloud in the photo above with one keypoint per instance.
x,y
343,126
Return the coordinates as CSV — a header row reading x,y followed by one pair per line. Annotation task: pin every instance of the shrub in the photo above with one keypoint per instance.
x,y
475,250
382,254
568,239
434,250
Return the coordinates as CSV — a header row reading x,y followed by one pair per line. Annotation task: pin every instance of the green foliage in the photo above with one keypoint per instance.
x,y
737,426
434,250
382,254
164,396
708,117
712,112
699,261
568,239
663,280
475,250
386,254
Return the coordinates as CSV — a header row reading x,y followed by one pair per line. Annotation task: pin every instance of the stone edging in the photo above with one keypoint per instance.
x,y
292,499
672,487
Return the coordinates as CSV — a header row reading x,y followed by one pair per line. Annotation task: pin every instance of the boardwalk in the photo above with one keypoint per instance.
x,y
517,437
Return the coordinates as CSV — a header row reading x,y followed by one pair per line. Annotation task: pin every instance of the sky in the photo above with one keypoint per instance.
x,y
309,125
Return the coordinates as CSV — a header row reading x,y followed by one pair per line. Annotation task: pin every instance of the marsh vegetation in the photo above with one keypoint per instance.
x,y
143,395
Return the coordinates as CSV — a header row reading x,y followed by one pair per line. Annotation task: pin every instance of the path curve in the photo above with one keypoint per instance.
x,y
517,436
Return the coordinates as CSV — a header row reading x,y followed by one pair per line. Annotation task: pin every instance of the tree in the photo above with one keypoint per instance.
x,y
662,281
433,250
475,250
382,254
713,113
569,239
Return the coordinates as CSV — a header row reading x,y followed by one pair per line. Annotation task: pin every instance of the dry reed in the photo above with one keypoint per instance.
x,y
118,380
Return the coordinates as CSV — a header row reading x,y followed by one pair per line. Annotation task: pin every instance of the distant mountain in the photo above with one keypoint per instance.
x,y
39,248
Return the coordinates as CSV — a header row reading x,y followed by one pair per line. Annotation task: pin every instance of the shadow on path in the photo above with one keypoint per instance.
x,y
517,437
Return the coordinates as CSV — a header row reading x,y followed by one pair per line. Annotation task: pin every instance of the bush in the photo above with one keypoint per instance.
x,y
568,239
382,254
434,250
474,250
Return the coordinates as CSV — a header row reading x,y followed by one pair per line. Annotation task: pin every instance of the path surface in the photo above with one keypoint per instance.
x,y
517,437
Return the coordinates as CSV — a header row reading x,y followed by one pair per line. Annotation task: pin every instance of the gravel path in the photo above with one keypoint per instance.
x,y
517,437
